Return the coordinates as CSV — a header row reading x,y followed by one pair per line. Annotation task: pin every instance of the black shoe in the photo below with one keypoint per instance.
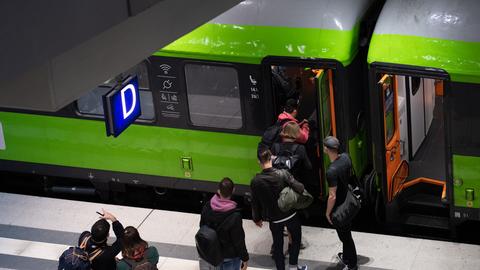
x,y
340,258
350,268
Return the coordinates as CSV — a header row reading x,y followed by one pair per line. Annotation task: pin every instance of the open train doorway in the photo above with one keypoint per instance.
x,y
312,87
414,143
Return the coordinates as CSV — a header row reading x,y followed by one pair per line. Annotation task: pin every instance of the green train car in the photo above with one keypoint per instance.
x,y
424,89
402,102
207,99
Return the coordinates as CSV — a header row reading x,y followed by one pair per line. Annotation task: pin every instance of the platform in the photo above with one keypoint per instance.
x,y
34,231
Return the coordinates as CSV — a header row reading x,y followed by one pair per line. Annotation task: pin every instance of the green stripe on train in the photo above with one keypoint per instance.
x,y
250,44
459,58
466,172
140,149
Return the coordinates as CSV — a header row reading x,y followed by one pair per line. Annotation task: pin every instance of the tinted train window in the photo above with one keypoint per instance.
x,y
325,88
415,85
389,113
465,119
92,102
92,105
213,96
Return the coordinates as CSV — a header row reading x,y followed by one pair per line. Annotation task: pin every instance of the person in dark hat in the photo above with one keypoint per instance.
x,y
105,259
289,113
337,177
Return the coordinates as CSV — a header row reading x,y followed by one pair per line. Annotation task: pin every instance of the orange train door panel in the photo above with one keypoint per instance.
x,y
387,85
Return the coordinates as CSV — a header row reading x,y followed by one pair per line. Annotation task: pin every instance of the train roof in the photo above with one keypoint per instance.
x,y
255,29
442,34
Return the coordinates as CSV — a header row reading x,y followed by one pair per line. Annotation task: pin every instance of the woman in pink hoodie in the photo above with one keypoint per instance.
x,y
288,115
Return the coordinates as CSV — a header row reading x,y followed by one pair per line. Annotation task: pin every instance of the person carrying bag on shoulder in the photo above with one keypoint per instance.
x,y
266,187
342,204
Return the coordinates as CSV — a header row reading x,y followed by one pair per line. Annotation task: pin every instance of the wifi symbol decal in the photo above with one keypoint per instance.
x,y
165,68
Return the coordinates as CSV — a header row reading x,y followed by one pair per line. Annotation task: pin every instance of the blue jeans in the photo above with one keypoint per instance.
x,y
228,264
231,264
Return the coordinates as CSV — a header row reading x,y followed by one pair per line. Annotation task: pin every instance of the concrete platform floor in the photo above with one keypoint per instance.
x,y
34,231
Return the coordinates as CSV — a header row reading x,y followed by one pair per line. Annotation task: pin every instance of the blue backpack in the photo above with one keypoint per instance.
x,y
77,258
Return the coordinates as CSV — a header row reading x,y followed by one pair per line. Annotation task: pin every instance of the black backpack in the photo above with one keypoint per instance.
x,y
286,159
77,258
271,135
208,244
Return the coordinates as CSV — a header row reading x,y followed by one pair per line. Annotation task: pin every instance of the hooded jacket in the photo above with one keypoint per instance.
x,y
231,234
304,128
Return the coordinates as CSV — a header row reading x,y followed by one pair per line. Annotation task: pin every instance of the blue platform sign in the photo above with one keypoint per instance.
x,y
122,106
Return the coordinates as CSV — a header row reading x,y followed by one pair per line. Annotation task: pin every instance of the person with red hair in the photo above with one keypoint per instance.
x,y
136,251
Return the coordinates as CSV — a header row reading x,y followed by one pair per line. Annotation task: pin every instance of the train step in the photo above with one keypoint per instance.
x,y
427,221
425,204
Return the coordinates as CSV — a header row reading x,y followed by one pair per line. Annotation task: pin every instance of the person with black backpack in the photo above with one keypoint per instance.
x,y
221,238
338,178
96,253
272,133
290,113
77,258
266,188
289,154
292,156
136,253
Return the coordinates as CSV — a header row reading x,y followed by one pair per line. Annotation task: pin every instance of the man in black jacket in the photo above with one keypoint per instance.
x,y
221,210
98,240
266,188
337,177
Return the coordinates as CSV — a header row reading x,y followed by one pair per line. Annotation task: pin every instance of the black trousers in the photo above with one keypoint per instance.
x,y
349,251
294,227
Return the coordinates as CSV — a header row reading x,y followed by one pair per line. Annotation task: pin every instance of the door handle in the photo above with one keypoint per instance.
x,y
187,166
392,153
187,163
393,150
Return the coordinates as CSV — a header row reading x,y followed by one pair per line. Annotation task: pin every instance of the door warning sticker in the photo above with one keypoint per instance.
x,y
2,140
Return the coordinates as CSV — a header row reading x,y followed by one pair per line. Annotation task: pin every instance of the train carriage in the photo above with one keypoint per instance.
x,y
424,88
207,98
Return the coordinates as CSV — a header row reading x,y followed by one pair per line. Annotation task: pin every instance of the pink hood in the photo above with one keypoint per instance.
x,y
222,205
304,128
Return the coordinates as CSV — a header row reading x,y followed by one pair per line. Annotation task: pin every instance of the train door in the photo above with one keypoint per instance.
x,y
410,145
325,97
313,88
388,87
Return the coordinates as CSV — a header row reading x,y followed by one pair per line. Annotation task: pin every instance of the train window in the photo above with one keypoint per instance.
x,y
389,113
465,119
415,84
92,105
325,88
213,96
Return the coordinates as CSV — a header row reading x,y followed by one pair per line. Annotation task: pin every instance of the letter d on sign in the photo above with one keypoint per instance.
x,y
134,100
